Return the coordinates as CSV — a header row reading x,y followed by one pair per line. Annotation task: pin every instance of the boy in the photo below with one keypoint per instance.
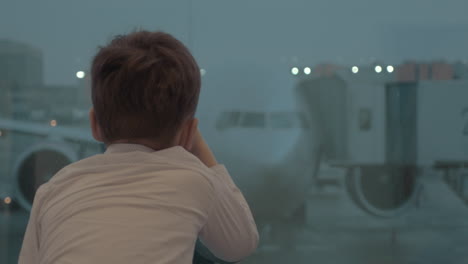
x,y
158,187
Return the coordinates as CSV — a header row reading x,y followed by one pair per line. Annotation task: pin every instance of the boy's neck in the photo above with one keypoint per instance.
x,y
145,142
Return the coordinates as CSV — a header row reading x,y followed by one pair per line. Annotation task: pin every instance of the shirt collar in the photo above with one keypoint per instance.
x,y
176,153
125,147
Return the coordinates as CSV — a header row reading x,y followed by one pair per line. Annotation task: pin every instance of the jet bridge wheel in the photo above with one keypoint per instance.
x,y
36,166
384,191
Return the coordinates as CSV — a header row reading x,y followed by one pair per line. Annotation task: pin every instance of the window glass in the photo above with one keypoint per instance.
x,y
373,94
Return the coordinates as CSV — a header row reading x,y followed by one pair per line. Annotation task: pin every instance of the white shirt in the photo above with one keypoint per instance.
x,y
136,205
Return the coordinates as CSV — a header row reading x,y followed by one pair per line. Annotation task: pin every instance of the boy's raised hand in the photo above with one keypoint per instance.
x,y
201,150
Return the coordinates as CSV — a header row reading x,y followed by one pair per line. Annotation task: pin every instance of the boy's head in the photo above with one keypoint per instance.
x,y
145,87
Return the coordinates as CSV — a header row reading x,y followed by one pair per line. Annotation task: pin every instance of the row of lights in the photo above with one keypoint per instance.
x,y
294,71
378,69
354,69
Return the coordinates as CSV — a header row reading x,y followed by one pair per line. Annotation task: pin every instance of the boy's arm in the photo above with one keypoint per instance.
x,y
202,151
230,231
29,250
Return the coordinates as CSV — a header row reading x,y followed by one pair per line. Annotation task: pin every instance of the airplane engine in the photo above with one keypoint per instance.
x,y
384,191
36,152
36,165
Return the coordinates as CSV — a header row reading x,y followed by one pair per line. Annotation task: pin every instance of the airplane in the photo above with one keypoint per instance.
x,y
268,127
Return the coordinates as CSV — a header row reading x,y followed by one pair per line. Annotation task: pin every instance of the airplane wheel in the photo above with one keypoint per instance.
x,y
384,191
36,166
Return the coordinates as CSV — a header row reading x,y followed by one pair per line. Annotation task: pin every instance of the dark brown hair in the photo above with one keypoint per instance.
x,y
144,85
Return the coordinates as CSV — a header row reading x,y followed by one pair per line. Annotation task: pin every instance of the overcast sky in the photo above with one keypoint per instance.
x,y
270,33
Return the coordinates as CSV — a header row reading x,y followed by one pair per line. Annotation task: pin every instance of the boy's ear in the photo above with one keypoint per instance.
x,y
97,134
188,133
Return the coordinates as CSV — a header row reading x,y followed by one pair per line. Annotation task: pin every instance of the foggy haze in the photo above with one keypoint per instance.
x,y
273,33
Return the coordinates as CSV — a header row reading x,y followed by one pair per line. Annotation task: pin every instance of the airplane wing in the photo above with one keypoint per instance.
x,y
39,129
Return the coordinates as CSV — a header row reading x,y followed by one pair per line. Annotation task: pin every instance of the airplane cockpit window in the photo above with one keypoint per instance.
x,y
273,120
287,120
228,120
253,120
283,120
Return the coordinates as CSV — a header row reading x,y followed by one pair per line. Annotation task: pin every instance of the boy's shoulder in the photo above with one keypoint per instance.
x,y
172,159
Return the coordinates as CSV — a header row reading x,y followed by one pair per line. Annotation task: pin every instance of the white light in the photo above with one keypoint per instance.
x,y
378,69
355,69
53,123
390,68
80,74
7,200
202,72
307,70
295,71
